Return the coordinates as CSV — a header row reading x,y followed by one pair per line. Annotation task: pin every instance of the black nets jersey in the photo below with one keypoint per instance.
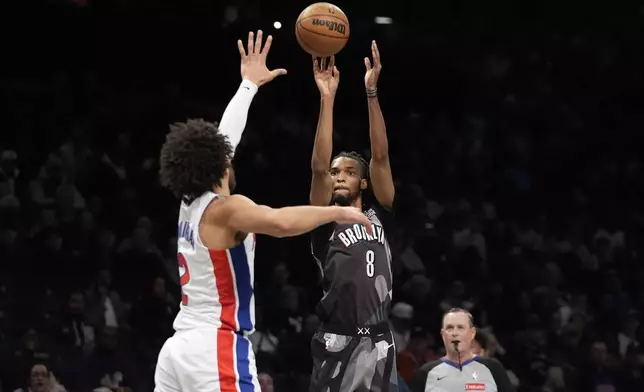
x,y
356,270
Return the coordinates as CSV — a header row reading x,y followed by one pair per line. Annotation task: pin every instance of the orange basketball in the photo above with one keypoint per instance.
x,y
322,29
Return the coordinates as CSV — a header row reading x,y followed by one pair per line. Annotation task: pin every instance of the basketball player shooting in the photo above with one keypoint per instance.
x,y
353,350
210,350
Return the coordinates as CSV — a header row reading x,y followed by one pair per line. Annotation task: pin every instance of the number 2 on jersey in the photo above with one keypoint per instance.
x,y
370,257
184,278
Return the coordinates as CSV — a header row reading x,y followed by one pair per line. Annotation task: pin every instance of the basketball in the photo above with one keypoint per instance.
x,y
322,29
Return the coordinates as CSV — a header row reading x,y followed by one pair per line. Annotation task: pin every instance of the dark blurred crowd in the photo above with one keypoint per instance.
x,y
519,170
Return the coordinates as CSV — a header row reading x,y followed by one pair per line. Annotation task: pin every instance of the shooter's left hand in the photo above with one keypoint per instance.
x,y
373,72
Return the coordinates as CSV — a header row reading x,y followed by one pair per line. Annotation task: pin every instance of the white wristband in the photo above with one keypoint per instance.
x,y
247,84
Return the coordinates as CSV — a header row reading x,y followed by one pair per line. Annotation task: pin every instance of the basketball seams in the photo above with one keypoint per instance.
x,y
326,15
320,34
337,19
303,41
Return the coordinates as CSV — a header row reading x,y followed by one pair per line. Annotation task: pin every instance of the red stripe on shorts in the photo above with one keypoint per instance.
x,y
226,361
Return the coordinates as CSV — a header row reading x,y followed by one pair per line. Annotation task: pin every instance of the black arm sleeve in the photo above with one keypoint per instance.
x,y
499,373
420,381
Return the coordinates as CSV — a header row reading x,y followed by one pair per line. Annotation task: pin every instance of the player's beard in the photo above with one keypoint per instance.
x,y
232,181
344,200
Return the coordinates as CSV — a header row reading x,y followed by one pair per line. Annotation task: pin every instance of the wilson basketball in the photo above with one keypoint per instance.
x,y
322,29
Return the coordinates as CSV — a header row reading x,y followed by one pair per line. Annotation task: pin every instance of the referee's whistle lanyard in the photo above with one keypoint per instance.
x,y
458,355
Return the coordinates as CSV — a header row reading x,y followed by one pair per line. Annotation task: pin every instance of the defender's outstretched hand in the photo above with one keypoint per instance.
x,y
253,62
355,215
373,72
327,76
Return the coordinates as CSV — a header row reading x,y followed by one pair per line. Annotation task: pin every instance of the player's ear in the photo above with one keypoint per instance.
x,y
363,184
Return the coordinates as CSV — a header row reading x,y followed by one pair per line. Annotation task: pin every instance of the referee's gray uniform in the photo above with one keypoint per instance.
x,y
477,374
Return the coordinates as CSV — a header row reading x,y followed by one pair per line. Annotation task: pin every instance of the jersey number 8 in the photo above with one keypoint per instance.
x,y
370,257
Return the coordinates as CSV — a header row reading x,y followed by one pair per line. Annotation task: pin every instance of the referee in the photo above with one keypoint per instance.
x,y
460,370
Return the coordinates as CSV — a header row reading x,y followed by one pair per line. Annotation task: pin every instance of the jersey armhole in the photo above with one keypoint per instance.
x,y
386,216
394,205
320,237
201,219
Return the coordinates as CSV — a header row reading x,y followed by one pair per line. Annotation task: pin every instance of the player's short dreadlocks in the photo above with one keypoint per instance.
x,y
194,158
364,166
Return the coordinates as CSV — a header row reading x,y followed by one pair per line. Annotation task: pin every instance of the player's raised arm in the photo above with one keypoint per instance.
x,y
254,74
243,215
379,168
327,78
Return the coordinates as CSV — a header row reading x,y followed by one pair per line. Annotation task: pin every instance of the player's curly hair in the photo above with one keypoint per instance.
x,y
364,166
194,158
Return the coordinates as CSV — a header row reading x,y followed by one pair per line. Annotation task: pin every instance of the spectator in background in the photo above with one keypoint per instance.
x,y
105,308
266,382
555,380
417,292
102,250
152,317
137,250
469,235
8,175
264,341
456,298
400,321
631,377
31,348
76,154
55,183
110,365
9,251
416,354
47,220
55,262
598,375
408,256
279,279
627,336
170,264
287,318
114,167
294,349
76,334
41,379
481,345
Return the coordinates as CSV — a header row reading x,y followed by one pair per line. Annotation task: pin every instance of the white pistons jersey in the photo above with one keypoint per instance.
x,y
216,285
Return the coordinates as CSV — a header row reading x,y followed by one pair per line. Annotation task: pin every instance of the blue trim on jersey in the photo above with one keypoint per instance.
x,y
454,364
243,364
244,286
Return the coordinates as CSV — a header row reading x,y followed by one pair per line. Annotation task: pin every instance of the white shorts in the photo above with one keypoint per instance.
x,y
212,360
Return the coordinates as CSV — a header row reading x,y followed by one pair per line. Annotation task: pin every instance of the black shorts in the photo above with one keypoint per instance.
x,y
363,361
